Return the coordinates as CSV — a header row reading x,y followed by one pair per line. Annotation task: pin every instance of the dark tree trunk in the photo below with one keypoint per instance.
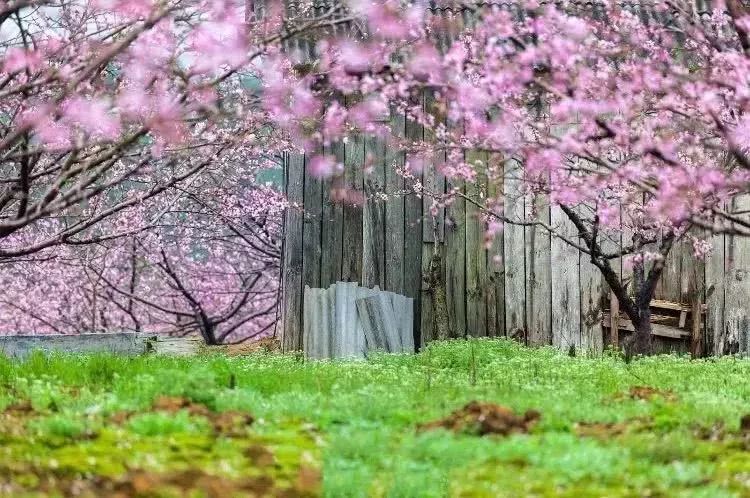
x,y
640,342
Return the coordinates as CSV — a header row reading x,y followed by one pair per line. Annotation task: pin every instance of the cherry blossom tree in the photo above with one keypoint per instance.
x,y
631,121
131,132
107,104
210,265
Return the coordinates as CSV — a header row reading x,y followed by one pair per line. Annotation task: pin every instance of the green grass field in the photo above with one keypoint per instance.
x,y
270,425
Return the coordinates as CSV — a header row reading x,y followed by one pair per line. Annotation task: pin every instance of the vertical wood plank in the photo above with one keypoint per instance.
x,y
291,303
715,290
669,288
394,210
351,263
413,240
611,241
332,225
373,216
566,298
693,292
592,295
495,266
476,254
311,231
737,288
432,180
427,317
614,321
539,274
455,261
514,253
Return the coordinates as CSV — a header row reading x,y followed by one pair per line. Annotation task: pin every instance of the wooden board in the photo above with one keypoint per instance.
x,y
476,254
737,289
592,296
332,225
656,329
311,231
394,211
373,216
351,261
413,241
714,296
427,327
539,275
291,302
455,262
432,179
495,270
566,297
514,254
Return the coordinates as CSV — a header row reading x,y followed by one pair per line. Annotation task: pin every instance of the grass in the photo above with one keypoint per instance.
x,y
152,426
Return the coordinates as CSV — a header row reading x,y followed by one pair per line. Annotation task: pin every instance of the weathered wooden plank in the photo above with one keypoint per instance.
x,y
670,283
476,254
495,267
566,297
656,328
539,274
378,319
433,180
610,240
373,216
394,210
332,224
311,231
455,261
737,288
614,322
693,293
592,295
427,318
351,260
291,302
514,253
413,239
715,288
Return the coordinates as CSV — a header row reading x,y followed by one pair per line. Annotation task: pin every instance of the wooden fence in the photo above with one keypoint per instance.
x,y
540,291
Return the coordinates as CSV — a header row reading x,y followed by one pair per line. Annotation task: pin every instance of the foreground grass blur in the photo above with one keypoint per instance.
x,y
152,426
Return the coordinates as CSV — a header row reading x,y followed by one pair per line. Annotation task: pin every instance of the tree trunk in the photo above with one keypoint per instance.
x,y
639,343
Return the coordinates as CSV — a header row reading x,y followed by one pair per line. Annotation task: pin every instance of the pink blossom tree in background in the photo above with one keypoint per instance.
x,y
131,132
631,126
209,265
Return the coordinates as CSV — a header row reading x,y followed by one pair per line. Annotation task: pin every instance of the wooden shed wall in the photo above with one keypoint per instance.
x,y
540,290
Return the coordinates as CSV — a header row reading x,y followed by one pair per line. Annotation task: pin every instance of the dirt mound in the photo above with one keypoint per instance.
x,y
485,418
648,393
19,408
228,423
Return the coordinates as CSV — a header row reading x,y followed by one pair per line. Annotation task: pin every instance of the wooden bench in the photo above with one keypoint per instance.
x,y
668,319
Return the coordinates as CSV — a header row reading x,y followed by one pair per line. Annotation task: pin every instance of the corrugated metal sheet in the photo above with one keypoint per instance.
x,y
333,325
